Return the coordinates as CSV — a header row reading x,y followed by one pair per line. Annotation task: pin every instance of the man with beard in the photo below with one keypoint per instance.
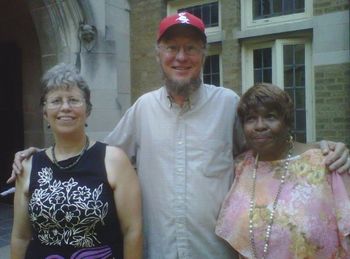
x,y
181,137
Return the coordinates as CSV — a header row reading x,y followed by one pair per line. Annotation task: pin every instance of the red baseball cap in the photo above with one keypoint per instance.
x,y
183,18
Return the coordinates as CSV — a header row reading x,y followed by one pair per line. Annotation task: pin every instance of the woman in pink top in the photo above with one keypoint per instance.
x,y
283,202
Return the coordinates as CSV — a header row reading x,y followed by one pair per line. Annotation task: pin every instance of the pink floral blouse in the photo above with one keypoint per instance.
x,y
312,218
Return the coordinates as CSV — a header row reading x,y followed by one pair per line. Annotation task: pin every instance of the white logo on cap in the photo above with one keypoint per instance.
x,y
182,18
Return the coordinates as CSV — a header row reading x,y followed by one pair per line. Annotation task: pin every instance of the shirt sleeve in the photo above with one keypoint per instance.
x,y
341,188
124,134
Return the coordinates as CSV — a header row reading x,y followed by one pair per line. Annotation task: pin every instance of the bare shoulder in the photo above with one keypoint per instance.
x,y
115,154
118,166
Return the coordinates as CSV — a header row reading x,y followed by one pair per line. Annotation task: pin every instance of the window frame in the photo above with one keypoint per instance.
x,y
277,76
247,21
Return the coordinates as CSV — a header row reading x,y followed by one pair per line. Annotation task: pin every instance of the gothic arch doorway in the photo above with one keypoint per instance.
x,y
19,75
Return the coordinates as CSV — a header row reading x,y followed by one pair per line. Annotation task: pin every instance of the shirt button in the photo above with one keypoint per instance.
x,y
180,142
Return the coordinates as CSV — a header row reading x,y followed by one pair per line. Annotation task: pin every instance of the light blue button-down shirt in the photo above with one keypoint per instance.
x,y
184,160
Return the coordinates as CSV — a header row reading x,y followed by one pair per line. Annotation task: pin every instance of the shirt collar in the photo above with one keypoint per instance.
x,y
190,103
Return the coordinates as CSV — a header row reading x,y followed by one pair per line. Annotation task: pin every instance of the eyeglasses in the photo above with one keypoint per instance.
x,y
56,103
190,50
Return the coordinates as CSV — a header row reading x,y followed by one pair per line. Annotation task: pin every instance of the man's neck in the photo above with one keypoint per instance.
x,y
179,99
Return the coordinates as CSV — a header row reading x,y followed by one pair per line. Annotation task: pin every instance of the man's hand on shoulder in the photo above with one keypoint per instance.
x,y
337,156
17,162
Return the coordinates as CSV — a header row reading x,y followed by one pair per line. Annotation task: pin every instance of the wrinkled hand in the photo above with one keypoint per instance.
x,y
337,156
17,162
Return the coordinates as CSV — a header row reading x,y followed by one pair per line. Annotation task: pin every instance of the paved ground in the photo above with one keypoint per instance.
x,y
6,216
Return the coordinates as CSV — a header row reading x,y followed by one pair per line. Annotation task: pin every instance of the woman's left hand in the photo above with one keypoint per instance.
x,y
337,156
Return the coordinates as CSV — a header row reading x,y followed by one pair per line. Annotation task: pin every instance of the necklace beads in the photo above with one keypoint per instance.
x,y
273,210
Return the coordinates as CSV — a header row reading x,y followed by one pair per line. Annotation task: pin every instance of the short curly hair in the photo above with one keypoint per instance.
x,y
269,96
64,76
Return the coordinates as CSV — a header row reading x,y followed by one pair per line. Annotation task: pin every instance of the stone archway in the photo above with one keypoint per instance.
x,y
57,26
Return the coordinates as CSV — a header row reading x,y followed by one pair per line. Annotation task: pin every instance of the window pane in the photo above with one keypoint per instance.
x,y
256,9
263,64
300,76
300,120
288,77
299,6
209,13
299,100
214,14
215,80
288,54
257,76
267,76
270,8
287,7
207,79
206,14
277,7
257,58
267,57
215,64
266,8
207,65
294,84
299,54
197,12
211,71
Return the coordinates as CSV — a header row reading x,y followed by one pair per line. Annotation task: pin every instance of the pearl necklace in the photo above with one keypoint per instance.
x,y
81,153
274,205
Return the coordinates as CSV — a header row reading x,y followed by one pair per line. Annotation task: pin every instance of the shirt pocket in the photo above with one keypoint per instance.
x,y
215,158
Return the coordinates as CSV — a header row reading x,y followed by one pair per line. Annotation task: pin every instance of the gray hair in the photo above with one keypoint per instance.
x,y
64,76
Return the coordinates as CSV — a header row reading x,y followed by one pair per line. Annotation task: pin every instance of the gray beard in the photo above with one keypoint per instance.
x,y
184,89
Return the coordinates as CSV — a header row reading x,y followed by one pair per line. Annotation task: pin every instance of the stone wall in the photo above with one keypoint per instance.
x,y
332,95
330,6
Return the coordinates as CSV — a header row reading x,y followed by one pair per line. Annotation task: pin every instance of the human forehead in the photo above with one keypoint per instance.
x,y
66,91
261,109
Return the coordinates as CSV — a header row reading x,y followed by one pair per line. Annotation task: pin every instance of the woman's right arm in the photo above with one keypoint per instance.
x,y
21,230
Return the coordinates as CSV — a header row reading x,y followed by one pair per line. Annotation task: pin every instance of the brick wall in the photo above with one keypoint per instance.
x,y
231,53
330,6
332,90
145,71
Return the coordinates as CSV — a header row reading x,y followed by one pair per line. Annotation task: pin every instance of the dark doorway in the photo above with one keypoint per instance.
x,y
11,115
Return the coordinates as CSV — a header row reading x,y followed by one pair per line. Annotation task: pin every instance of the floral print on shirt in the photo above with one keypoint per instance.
x,y
65,213
312,218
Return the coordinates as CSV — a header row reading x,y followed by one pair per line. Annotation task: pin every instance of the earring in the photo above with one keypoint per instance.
x,y
290,140
86,125
48,126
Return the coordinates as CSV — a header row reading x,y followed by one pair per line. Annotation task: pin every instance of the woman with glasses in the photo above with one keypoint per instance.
x,y
78,198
